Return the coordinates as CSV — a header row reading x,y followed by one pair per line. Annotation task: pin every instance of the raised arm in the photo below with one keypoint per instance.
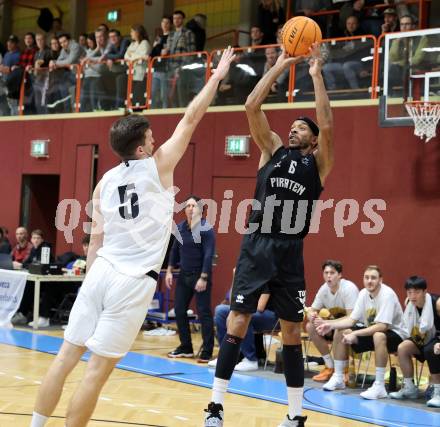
x,y
325,153
267,140
169,154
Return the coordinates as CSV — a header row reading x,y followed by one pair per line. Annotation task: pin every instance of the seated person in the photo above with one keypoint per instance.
x,y
5,246
422,321
263,320
47,289
37,240
70,260
22,249
338,296
380,330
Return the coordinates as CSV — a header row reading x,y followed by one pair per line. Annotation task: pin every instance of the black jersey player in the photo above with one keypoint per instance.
x,y
289,180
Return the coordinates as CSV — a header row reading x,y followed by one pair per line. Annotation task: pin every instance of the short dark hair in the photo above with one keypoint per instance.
x,y
114,30
179,12
38,232
337,265
92,37
66,35
169,17
30,33
374,267
415,282
83,35
413,21
128,133
197,199
103,24
85,240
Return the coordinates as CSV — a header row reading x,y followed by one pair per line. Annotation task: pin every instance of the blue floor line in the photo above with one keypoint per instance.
x,y
334,403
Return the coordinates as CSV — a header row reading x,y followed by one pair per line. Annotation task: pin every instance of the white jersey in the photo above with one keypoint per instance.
x,y
339,302
137,213
383,308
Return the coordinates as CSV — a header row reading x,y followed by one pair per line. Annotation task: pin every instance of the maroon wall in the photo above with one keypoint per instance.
x,y
371,163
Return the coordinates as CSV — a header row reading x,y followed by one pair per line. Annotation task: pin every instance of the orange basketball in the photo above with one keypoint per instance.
x,y
298,34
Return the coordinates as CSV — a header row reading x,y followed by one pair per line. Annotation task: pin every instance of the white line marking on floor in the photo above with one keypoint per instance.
x,y
153,411
104,398
37,382
18,377
180,418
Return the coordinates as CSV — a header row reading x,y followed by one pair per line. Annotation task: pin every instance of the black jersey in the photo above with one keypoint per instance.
x,y
287,188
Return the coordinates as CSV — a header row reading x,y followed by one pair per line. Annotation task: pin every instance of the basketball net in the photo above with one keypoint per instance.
x,y
425,115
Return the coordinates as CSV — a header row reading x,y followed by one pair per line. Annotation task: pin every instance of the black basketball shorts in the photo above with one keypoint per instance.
x,y
366,343
275,263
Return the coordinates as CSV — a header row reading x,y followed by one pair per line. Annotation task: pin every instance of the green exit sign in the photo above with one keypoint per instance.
x,y
113,15
237,145
40,148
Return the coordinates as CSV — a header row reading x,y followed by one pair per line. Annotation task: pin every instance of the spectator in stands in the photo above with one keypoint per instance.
x,y
194,253
390,21
198,26
345,60
138,51
40,78
71,54
55,89
4,107
280,86
5,246
55,48
262,321
160,80
381,330
22,249
256,35
25,63
422,321
113,56
407,55
308,7
82,40
180,40
270,16
280,34
238,83
91,87
336,298
11,59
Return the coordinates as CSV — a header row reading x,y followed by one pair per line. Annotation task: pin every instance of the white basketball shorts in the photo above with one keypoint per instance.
x,y
109,310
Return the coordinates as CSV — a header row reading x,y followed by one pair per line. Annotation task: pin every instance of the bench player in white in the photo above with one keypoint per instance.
x,y
131,226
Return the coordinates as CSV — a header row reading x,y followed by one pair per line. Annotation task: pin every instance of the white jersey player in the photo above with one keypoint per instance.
x,y
131,226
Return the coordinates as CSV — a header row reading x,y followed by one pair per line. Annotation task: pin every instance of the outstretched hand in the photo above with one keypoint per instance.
x,y
315,60
284,60
224,64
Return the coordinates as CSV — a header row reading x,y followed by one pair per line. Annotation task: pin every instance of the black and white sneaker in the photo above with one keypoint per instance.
x,y
214,415
297,421
180,352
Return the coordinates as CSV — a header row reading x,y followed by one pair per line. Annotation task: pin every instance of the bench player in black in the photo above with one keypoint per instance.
x,y
289,180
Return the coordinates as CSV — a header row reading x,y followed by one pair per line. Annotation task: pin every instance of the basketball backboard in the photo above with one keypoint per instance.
x,y
410,71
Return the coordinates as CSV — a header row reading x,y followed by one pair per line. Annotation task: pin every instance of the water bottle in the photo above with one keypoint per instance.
x,y
45,255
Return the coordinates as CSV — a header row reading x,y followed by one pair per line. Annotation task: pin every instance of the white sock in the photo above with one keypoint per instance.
x,y
295,397
408,382
38,420
380,375
328,360
339,368
219,388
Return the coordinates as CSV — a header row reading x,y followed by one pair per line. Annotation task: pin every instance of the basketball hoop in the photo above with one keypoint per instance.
x,y
425,115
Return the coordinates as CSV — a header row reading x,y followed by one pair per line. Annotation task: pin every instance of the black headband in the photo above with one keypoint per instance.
x,y
312,125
